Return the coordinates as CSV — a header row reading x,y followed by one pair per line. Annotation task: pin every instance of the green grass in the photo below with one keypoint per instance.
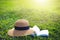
x,y
43,19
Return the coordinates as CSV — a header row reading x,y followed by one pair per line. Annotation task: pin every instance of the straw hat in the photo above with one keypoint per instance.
x,y
21,28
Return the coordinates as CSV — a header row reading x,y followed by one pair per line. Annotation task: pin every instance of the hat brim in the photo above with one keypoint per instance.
x,y
13,32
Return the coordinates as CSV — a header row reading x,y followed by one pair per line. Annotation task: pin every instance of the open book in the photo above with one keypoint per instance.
x,y
40,32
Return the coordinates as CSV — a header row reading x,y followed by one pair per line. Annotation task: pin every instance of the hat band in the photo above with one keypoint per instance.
x,y
21,28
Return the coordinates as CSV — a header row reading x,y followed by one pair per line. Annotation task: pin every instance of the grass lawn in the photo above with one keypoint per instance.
x,y
44,19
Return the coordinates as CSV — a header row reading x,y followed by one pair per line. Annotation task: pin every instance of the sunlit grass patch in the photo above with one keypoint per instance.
x,y
43,19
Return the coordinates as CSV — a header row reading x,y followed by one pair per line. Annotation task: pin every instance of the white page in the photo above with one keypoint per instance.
x,y
44,32
36,29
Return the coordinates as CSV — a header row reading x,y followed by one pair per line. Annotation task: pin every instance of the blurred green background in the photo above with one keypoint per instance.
x,y
43,13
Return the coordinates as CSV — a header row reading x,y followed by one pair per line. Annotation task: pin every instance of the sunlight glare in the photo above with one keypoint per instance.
x,y
41,2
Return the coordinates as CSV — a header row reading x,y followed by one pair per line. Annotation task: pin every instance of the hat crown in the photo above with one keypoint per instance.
x,y
21,23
